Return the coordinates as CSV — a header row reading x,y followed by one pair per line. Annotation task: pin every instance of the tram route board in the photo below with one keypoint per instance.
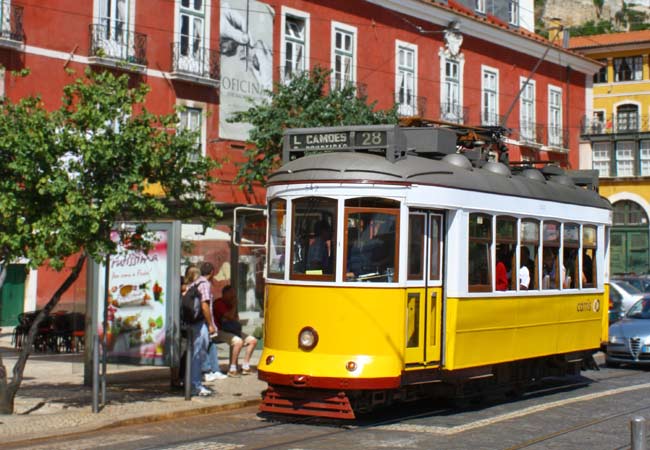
x,y
384,139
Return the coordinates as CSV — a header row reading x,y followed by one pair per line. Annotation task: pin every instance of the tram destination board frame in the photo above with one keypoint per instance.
x,y
387,140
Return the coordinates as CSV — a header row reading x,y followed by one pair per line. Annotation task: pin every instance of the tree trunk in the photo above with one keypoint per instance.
x,y
8,389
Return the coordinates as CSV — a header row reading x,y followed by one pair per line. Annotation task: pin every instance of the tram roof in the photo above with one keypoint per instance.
x,y
453,171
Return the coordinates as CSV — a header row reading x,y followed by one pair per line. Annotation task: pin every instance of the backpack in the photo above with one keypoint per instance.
x,y
191,311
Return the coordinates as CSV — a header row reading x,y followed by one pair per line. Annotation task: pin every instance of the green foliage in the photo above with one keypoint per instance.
x,y
592,27
306,101
70,175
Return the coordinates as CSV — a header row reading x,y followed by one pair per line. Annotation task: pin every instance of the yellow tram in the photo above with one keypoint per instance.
x,y
399,268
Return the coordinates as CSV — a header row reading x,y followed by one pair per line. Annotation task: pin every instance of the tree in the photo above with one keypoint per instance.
x,y
303,102
70,175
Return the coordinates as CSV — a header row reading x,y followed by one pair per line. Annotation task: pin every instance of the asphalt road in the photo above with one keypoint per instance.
x,y
588,412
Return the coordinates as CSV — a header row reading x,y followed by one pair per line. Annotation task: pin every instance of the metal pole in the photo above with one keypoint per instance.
x,y
637,429
105,327
95,342
188,363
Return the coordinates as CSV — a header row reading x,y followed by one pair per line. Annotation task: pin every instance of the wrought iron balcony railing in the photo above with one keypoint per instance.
x,y
615,123
453,112
409,105
490,119
198,62
557,137
531,133
11,24
113,42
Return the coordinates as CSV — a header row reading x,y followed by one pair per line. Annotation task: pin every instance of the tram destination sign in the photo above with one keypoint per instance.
x,y
372,138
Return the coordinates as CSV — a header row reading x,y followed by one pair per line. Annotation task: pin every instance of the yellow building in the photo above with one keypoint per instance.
x,y
616,140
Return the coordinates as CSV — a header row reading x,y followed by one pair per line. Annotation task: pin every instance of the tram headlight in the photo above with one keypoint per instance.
x,y
307,339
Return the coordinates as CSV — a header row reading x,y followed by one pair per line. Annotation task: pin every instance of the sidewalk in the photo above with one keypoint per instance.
x,y
53,400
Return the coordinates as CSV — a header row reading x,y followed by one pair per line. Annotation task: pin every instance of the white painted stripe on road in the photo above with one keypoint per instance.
x,y
512,415
205,445
106,440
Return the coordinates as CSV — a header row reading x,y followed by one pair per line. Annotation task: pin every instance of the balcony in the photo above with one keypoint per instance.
x,y
11,26
453,112
557,138
615,124
114,46
491,119
530,133
409,105
195,64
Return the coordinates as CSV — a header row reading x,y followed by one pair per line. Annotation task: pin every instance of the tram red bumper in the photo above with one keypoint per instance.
x,y
307,381
315,403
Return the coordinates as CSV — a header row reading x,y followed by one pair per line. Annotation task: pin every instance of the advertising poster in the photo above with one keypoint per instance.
x,y
246,47
137,297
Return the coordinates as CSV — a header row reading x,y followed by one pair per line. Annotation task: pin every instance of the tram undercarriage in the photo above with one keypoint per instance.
x,y
461,387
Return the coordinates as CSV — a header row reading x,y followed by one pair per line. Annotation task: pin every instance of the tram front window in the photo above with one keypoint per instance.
x,y
371,245
313,238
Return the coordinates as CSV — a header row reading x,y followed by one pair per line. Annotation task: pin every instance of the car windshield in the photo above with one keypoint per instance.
x,y
627,287
640,310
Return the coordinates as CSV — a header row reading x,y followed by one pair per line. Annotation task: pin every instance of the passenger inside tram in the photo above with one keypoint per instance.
x,y
370,245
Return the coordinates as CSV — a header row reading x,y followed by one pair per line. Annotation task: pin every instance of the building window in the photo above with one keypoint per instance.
x,y
406,79
479,6
601,159
625,158
490,109
295,44
192,14
343,58
601,75
192,119
627,118
555,117
527,111
628,213
644,157
451,107
113,16
629,68
513,12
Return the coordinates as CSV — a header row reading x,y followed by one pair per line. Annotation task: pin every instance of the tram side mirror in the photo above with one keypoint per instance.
x,y
249,227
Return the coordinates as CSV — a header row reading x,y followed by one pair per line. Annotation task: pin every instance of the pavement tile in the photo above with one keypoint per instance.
x,y
53,400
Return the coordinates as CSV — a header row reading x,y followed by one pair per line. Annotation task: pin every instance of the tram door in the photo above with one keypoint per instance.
x,y
424,289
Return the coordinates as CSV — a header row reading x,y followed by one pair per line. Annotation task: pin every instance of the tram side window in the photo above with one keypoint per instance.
x,y
550,256
529,258
479,277
589,256
313,238
505,251
277,237
571,243
371,239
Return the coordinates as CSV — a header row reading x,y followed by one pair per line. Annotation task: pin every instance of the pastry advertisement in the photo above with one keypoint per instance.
x,y
137,288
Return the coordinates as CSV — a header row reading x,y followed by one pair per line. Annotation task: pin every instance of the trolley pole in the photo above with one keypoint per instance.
x,y
638,435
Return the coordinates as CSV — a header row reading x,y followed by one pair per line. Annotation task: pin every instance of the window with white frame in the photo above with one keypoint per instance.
x,y
191,118
644,158
5,17
629,68
343,56
601,158
627,118
625,158
192,20
490,109
554,117
406,79
513,12
479,6
451,107
295,45
527,111
112,31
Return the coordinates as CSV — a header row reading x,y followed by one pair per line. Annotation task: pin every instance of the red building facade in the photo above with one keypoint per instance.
x,y
440,61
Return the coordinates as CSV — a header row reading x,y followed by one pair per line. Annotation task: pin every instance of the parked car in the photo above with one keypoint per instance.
x,y
629,338
641,282
621,290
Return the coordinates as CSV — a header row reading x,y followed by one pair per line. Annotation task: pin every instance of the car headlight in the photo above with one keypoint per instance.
x,y
615,340
646,341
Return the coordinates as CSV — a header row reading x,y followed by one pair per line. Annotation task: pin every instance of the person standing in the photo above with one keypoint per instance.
x,y
202,329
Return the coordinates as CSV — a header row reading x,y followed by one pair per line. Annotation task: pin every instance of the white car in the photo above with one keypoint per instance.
x,y
628,295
